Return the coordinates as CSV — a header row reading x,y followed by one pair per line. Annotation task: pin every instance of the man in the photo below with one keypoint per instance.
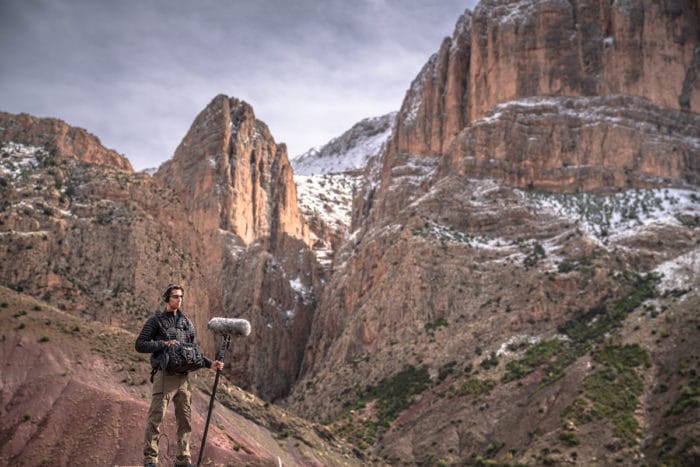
x,y
166,328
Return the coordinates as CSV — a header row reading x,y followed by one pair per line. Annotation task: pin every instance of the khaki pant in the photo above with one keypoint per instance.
x,y
167,387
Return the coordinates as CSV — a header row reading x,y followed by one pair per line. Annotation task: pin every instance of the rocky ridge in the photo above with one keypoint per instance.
x,y
238,193
100,241
458,295
327,179
58,137
507,51
87,237
348,152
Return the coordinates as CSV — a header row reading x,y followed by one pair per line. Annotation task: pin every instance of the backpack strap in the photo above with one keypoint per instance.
x,y
163,354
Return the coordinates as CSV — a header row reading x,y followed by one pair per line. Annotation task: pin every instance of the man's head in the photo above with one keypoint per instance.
x,y
173,296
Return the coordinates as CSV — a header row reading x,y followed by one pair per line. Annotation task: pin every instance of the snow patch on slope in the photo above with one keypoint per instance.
x,y
16,158
617,215
348,152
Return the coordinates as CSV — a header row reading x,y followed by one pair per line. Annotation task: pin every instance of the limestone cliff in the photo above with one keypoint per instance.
x,y
640,48
238,193
508,51
504,247
233,176
580,144
60,138
87,234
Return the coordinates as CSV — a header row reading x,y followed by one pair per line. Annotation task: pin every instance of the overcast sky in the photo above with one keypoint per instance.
x,y
137,72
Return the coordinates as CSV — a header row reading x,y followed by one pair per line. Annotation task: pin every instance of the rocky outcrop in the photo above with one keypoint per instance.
x,y
585,48
59,137
91,239
101,242
233,176
430,329
508,51
350,151
580,144
436,106
238,192
506,95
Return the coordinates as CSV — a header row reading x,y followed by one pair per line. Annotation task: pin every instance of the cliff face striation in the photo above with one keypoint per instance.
x,y
508,52
237,188
61,138
505,246
89,235
233,176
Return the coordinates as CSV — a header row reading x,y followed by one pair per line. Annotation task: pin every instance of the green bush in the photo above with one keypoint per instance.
x,y
396,393
476,387
490,362
445,370
565,266
533,258
688,220
621,357
615,389
569,439
688,399
540,353
439,322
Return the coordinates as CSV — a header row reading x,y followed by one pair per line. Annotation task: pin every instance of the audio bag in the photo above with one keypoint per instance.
x,y
182,358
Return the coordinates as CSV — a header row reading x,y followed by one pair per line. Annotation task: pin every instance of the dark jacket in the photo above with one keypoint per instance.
x,y
154,333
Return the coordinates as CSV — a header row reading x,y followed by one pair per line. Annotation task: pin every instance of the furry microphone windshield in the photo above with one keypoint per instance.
x,y
230,326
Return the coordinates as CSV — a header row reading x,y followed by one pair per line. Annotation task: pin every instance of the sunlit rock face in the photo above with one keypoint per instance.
x,y
233,176
547,153
557,95
60,138
640,48
237,186
580,144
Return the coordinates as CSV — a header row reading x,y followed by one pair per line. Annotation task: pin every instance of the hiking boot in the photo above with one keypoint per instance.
x,y
149,464
184,465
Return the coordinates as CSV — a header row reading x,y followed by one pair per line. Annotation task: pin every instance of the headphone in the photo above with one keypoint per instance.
x,y
166,294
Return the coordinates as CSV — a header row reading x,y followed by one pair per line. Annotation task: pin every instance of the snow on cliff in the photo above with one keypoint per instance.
x,y
348,152
326,177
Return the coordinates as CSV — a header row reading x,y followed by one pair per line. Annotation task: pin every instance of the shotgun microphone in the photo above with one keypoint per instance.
x,y
230,326
226,327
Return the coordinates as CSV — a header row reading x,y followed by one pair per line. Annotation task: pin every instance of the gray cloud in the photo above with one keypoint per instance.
x,y
136,73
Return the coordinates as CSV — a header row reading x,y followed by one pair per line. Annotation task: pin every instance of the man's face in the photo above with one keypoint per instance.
x,y
175,299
